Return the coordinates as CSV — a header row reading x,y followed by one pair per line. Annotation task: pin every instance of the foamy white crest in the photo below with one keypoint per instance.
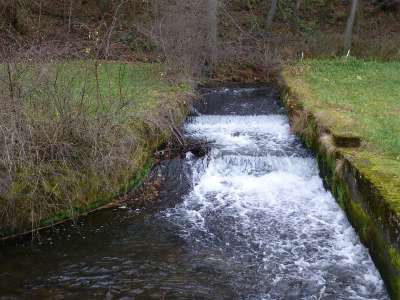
x,y
272,211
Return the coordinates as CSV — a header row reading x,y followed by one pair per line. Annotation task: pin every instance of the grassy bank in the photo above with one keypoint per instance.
x,y
357,99
76,134
346,111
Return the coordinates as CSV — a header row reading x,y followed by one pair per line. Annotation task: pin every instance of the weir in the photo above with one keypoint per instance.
x,y
250,220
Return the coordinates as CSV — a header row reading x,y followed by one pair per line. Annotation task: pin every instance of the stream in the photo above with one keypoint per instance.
x,y
250,220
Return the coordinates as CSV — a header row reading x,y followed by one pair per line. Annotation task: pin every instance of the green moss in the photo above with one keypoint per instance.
x,y
134,183
364,92
354,97
309,133
339,193
359,172
385,256
394,257
360,220
378,171
368,229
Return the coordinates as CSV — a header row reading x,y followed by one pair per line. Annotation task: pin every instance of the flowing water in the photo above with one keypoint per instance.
x,y
251,220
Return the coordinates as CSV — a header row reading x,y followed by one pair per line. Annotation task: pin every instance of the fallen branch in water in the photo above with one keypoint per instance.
x,y
199,148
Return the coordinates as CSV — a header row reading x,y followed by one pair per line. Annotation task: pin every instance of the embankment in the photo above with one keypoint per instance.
x,y
369,198
75,135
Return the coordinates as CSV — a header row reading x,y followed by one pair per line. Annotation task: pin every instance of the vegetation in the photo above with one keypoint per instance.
x,y
346,100
77,121
256,31
74,134
357,98
90,88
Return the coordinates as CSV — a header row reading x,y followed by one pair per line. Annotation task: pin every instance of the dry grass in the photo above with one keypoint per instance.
x,y
72,135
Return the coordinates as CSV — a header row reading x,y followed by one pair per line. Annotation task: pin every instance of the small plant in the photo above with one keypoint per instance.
x,y
75,133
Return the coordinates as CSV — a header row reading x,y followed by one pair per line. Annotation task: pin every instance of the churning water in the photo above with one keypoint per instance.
x,y
252,220
258,202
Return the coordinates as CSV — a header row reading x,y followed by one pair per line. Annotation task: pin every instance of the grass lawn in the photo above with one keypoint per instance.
x,y
359,98
138,85
75,134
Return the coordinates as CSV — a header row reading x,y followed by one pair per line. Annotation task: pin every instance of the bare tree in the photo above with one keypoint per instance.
x,y
271,13
111,29
70,15
212,11
9,12
350,24
186,33
104,6
297,9
40,12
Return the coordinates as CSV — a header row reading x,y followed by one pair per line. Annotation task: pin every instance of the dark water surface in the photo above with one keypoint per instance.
x,y
251,220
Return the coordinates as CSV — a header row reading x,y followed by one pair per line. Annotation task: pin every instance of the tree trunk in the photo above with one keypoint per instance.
x,y
104,6
70,16
350,24
212,12
9,14
271,14
296,14
297,9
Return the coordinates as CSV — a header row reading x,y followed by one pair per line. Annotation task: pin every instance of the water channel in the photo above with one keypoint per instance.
x,y
250,220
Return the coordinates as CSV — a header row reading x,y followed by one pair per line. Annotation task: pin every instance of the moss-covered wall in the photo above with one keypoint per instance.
x,y
367,209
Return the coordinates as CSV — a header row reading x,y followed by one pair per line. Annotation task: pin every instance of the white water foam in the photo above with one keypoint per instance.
x,y
259,203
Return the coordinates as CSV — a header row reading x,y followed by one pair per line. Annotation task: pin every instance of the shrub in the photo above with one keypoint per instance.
x,y
73,134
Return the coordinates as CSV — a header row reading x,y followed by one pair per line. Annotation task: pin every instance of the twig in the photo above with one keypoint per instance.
x,y
70,16
108,40
238,26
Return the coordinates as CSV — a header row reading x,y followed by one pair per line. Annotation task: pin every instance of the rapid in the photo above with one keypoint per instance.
x,y
250,220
